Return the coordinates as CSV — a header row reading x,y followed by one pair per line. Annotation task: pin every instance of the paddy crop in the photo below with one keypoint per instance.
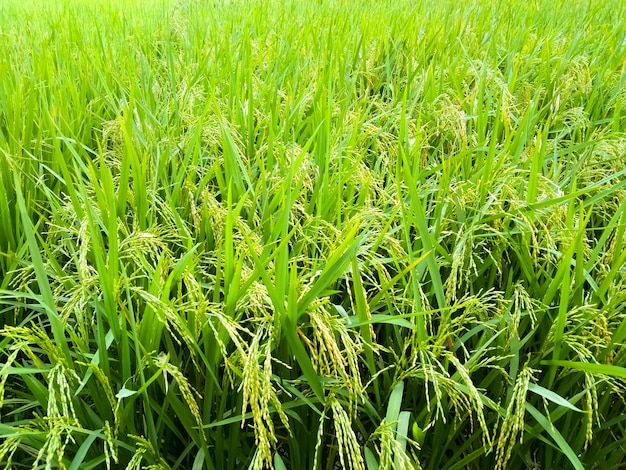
x,y
288,234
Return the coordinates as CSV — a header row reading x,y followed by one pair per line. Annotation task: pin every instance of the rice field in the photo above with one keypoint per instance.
x,y
281,234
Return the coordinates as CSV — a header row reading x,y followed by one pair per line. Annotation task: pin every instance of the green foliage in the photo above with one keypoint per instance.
x,y
286,234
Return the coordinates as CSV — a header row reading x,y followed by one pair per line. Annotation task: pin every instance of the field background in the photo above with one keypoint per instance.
x,y
312,234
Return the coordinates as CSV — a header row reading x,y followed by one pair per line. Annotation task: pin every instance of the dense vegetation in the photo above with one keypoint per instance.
x,y
290,234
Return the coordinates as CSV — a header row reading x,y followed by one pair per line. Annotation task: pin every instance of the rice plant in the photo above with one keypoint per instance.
x,y
284,234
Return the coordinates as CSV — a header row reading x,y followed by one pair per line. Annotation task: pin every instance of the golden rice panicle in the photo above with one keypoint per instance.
x,y
350,453
259,394
513,423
